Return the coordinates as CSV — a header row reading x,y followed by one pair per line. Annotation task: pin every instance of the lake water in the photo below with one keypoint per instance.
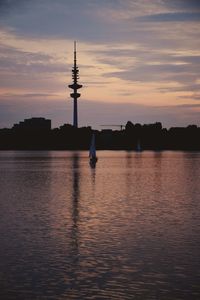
x,y
128,229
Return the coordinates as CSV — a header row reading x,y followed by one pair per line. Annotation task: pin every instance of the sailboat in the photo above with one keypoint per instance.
x,y
92,153
138,147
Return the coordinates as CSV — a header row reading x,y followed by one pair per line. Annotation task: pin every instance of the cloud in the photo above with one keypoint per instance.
x,y
28,71
10,5
193,96
183,88
96,21
47,19
21,62
27,96
183,4
152,65
171,17
121,43
157,73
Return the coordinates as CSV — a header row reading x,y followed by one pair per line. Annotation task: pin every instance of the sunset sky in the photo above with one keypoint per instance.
x,y
139,60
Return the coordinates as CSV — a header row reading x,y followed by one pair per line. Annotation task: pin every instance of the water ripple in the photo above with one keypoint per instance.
x,y
128,229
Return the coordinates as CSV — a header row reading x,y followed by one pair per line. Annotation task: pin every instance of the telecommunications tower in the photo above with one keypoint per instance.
x,y
75,86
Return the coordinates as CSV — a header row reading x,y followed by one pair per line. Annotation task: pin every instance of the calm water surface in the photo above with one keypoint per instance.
x,y
128,229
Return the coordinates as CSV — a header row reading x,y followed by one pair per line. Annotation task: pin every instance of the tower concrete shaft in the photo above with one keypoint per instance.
x,y
75,86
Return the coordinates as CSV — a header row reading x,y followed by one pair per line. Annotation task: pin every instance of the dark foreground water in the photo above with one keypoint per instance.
x,y
129,229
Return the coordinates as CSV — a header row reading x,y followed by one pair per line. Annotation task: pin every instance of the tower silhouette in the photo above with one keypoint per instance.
x,y
75,86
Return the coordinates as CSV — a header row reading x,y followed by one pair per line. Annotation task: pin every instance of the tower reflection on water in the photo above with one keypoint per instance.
x,y
76,179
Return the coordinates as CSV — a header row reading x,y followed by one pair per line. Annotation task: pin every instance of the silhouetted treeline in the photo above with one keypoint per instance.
x,y
133,137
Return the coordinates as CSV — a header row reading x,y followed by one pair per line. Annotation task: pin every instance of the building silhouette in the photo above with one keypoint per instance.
x,y
33,124
36,134
75,86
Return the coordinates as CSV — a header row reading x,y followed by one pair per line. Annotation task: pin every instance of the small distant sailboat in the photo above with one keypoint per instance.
x,y
92,154
138,147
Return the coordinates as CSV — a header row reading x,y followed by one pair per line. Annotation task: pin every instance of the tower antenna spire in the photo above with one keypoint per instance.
x,y
74,52
75,86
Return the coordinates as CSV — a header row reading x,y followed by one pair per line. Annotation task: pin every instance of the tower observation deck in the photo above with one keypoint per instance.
x,y
75,86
